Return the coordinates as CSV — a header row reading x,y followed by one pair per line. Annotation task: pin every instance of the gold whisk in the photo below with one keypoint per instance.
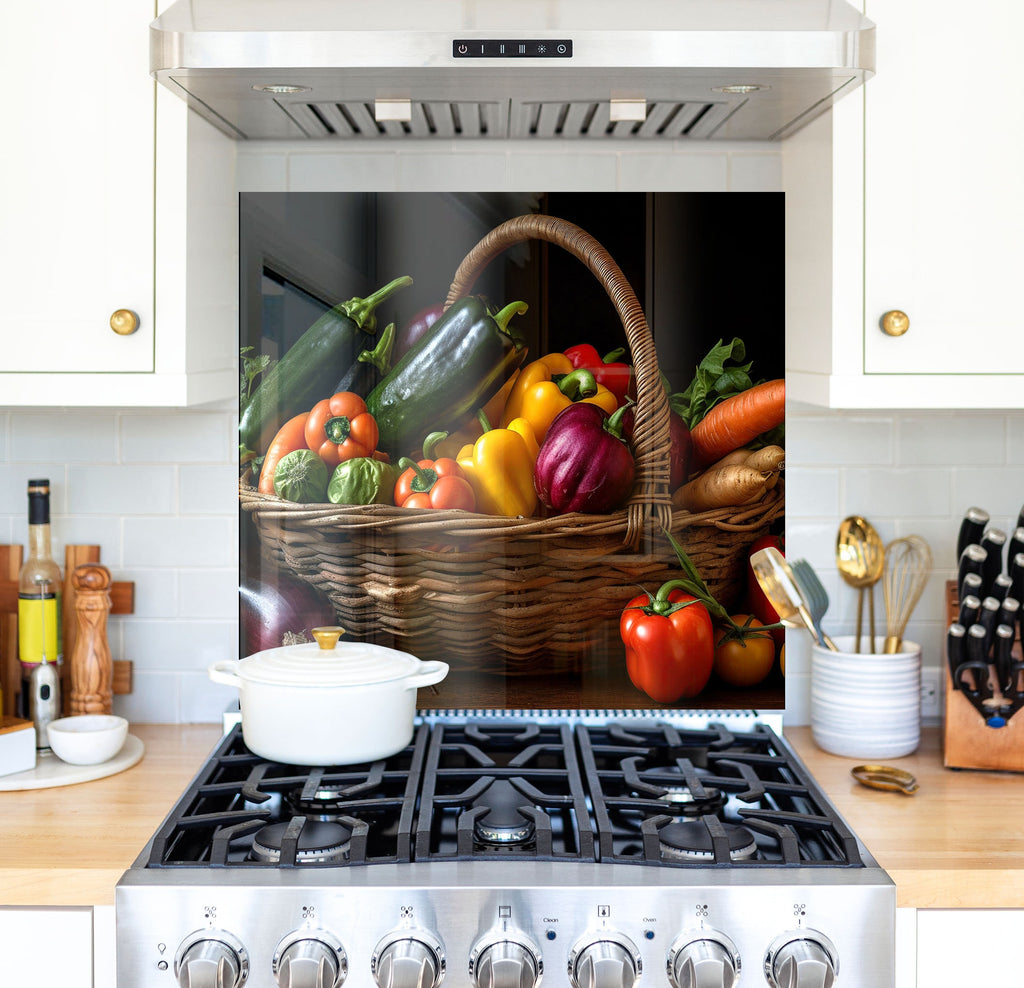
x,y
908,562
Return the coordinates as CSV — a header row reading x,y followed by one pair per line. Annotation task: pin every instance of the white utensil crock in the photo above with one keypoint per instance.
x,y
304,705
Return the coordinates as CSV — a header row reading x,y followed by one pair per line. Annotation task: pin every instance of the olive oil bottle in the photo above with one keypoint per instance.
x,y
39,601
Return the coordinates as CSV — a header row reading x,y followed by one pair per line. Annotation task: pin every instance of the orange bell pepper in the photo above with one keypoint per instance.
x,y
439,483
340,428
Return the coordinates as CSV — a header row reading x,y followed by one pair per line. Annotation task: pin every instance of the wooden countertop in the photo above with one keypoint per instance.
x,y
957,843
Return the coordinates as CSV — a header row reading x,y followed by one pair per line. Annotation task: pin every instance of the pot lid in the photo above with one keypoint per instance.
x,y
338,664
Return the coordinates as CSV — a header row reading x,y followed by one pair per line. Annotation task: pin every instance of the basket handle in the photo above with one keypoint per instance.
x,y
650,503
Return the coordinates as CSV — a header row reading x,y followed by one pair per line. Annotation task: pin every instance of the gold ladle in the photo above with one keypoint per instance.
x,y
860,559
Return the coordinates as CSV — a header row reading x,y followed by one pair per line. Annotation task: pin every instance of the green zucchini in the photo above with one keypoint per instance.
x,y
462,361
311,367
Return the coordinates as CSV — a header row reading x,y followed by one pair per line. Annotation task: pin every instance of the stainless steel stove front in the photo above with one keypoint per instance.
x,y
497,923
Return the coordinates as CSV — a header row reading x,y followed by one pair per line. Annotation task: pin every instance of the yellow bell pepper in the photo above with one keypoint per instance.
x,y
499,467
532,374
542,400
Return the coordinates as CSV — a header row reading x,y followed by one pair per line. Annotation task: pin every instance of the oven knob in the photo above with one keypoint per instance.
x,y
408,960
801,959
211,959
607,960
505,963
706,961
310,959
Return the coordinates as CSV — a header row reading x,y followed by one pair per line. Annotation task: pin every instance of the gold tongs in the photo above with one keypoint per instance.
x,y
885,777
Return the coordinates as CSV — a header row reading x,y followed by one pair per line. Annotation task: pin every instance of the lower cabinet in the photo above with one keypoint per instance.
x,y
969,947
47,947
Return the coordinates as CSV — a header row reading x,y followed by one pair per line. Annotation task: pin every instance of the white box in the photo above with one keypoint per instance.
x,y
17,745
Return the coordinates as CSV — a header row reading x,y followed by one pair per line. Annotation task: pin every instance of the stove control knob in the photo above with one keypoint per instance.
x,y
801,959
211,959
505,962
605,960
310,959
709,960
408,959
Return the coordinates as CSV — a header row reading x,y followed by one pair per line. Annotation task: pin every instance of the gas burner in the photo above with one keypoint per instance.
x,y
681,801
318,842
326,803
502,823
691,841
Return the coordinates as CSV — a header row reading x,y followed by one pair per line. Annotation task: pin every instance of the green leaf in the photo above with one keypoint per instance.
x,y
252,367
714,381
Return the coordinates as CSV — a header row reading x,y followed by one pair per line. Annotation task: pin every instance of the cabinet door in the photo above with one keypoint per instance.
x,y
954,946
76,186
47,948
944,201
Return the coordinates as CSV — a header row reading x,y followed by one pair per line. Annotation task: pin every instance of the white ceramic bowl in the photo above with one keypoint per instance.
x,y
88,739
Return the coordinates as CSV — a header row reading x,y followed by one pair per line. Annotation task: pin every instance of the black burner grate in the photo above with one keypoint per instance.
x,y
638,792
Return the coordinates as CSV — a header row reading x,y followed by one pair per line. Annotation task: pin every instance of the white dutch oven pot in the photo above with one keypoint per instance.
x,y
324,704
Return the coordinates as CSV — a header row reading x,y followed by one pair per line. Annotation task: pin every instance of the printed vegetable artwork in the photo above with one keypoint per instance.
x,y
370,366
438,483
607,370
311,367
671,641
291,436
301,476
340,428
739,420
363,480
499,467
461,361
584,463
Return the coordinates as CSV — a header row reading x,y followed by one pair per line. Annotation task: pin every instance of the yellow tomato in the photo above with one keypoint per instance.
x,y
746,662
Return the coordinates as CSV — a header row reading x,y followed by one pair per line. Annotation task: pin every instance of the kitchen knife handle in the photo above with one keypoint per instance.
x,y
1015,545
1009,612
970,608
1016,571
1002,658
977,661
993,542
988,618
956,650
972,560
971,528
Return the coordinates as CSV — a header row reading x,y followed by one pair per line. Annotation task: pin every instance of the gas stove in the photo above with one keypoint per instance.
x,y
497,849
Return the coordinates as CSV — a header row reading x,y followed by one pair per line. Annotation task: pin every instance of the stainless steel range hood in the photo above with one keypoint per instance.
x,y
496,69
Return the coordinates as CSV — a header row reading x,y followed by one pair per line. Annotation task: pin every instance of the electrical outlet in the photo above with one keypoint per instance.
x,y
931,694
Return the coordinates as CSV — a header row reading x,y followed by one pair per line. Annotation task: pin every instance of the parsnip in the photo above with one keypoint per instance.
x,y
731,485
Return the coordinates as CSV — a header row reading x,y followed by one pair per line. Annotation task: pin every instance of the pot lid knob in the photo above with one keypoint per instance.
x,y
327,637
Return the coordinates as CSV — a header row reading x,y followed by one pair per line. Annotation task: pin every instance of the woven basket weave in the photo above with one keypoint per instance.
x,y
515,595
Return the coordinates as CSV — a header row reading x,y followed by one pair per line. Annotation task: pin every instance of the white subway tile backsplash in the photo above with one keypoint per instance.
x,y
441,172
156,593
83,437
999,490
897,492
120,489
203,701
154,699
180,542
14,478
755,172
936,438
176,437
576,171
179,645
812,492
208,593
260,170
208,490
864,439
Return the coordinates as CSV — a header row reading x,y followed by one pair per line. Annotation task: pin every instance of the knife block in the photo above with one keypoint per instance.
x,y
968,742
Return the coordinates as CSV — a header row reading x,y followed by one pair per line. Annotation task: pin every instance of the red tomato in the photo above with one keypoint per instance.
x,y
668,656
757,602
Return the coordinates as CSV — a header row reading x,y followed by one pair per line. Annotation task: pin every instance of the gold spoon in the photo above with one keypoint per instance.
x,y
860,558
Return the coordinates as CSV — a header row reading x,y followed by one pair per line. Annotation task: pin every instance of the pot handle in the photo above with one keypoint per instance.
x,y
224,672
430,673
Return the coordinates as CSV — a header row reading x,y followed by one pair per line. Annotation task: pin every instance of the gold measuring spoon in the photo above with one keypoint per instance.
x,y
860,559
885,777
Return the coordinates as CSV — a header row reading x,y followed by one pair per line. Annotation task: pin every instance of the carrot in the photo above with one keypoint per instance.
x,y
737,420
720,487
290,437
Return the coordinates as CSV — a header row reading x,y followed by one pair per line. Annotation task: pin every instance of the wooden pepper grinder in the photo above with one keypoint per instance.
x,y
92,670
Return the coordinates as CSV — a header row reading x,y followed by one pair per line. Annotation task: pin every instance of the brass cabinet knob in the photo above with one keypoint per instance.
x,y
124,322
895,323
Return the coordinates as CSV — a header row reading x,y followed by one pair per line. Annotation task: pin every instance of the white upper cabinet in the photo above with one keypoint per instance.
x,y
908,199
94,193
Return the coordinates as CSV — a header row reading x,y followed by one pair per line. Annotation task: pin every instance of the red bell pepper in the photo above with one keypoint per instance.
x,y
615,376
670,643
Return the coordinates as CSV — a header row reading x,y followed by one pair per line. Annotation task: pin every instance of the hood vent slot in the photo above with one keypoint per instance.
x,y
354,119
574,119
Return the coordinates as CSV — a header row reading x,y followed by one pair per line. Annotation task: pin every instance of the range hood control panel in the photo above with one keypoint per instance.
x,y
512,48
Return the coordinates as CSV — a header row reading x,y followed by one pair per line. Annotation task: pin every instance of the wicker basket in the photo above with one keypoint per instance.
x,y
515,595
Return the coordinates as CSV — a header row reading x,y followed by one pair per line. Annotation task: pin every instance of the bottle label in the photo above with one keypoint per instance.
x,y
39,630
